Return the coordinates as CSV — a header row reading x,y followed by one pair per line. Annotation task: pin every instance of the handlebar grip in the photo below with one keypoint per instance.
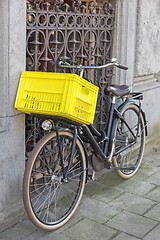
x,y
121,66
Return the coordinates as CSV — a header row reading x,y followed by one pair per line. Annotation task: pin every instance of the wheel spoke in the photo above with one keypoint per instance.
x,y
131,156
52,198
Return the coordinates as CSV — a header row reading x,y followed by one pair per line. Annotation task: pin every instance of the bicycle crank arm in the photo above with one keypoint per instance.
x,y
124,168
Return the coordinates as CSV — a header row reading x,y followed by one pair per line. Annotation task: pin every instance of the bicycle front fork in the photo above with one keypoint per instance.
x,y
60,157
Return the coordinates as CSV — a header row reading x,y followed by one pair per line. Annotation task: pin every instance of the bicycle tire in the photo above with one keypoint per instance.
x,y
132,156
48,201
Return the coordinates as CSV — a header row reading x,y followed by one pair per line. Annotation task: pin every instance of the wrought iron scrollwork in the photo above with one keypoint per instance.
x,y
79,33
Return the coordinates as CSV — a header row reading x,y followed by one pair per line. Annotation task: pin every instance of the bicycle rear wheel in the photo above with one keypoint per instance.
x,y
49,201
132,156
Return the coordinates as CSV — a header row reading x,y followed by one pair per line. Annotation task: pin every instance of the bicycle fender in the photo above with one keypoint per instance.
x,y
123,105
115,119
145,122
143,114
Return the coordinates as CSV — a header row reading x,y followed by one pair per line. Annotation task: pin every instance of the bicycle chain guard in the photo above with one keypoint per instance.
x,y
97,163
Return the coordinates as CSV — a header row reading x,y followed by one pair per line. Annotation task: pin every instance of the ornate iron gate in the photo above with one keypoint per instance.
x,y
79,32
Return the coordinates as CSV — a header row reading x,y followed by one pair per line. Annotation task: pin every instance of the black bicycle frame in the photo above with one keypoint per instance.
x,y
90,133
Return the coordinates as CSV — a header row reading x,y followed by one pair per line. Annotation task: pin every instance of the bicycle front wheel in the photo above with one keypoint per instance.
x,y
131,137
49,200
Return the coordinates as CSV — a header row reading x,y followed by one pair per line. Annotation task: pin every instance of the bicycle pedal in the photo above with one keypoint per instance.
x,y
89,176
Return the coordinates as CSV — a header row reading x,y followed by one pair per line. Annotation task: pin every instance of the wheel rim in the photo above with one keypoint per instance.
x,y
52,200
132,156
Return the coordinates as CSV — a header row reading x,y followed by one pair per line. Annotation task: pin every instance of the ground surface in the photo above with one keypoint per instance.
x,y
111,208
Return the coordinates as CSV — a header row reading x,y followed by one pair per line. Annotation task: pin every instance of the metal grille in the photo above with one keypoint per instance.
x,y
80,33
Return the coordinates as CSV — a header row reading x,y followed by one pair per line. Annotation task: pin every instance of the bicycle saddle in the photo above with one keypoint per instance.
x,y
118,90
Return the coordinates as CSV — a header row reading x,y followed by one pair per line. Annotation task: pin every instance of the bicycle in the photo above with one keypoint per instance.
x,y
57,169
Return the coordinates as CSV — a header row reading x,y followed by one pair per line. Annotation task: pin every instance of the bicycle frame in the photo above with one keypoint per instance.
x,y
108,152
89,133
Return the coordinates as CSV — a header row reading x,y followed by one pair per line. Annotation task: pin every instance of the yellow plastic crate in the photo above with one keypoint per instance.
x,y
58,94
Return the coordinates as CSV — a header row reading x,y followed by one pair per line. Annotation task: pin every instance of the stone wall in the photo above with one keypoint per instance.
x,y
147,61
136,44
12,62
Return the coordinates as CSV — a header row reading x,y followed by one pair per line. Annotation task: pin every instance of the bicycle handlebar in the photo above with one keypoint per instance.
x,y
124,67
65,64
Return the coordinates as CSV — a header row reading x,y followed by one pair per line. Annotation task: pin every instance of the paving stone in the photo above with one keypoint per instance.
x,y
151,159
154,178
107,194
102,173
123,236
154,213
110,179
154,234
154,194
97,211
133,203
92,188
47,236
84,199
16,232
132,224
143,173
89,230
74,219
136,186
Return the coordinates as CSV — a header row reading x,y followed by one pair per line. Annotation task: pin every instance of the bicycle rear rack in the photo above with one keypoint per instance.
x,y
135,96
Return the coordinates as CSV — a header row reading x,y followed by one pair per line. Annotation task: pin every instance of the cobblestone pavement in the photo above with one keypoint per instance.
x,y
111,208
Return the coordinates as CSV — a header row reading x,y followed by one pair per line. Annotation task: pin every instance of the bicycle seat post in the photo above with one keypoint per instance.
x,y
113,99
